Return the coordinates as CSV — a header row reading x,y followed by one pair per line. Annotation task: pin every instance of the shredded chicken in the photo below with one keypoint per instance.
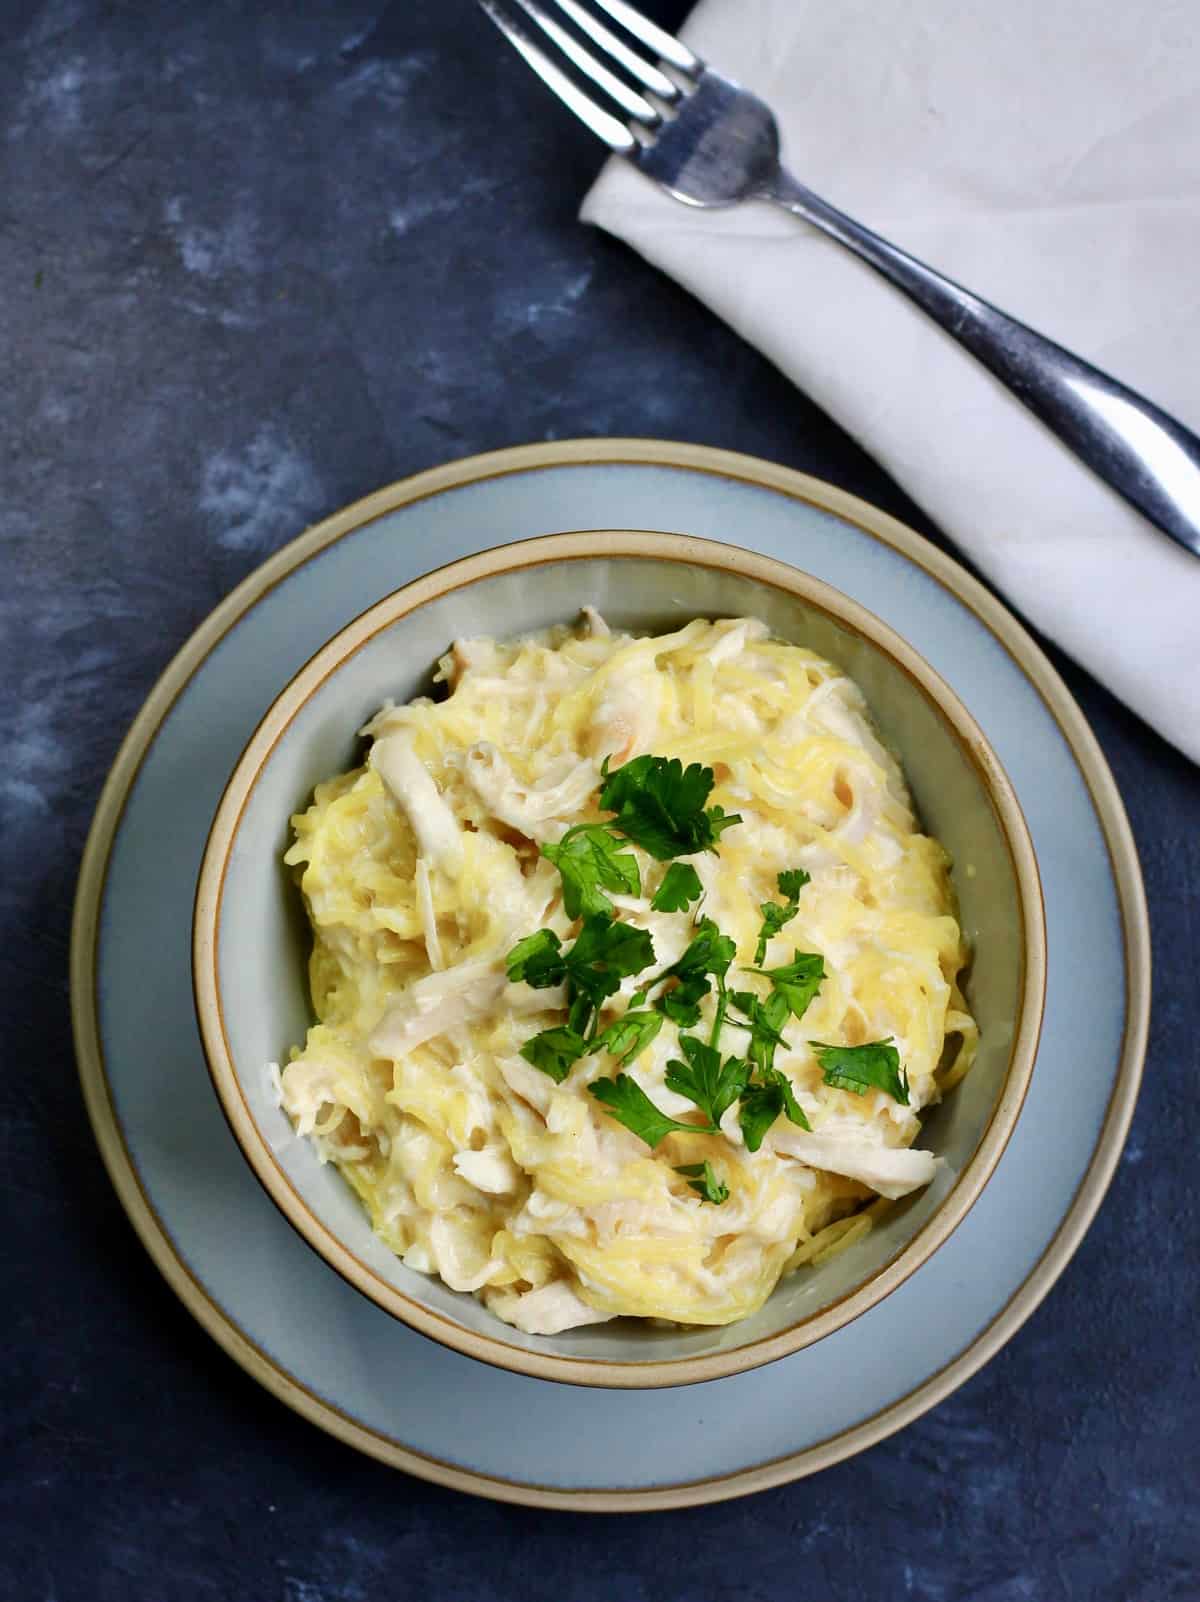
x,y
459,1267
435,1004
467,656
548,1310
732,634
892,1171
433,944
439,837
491,1170
867,806
528,810
626,718
526,1082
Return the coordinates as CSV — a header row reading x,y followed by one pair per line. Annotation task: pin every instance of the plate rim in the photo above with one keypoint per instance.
x,y
730,466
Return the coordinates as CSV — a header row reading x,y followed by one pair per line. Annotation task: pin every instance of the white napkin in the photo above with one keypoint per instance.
x,y
1046,153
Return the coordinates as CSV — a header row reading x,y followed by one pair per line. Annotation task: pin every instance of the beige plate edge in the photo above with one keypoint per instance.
x,y
745,469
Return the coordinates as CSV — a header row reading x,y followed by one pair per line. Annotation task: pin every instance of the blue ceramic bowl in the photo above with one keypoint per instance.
x,y
250,935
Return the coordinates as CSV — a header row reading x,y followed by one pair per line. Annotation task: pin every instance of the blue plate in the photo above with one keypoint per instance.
x,y
334,1356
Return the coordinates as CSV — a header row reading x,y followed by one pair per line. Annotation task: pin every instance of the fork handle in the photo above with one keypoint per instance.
x,y
1134,446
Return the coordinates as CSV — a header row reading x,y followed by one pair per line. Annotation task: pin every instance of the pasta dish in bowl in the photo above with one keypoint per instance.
x,y
636,962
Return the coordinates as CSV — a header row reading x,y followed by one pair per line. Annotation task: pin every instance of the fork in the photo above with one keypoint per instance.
x,y
711,143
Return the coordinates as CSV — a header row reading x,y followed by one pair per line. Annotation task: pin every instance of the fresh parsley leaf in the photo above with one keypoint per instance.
x,y
761,1104
704,1182
791,881
555,1051
759,1110
659,805
875,1066
593,967
775,913
798,981
681,886
579,1014
793,1111
626,1101
588,989
703,1078
629,1036
765,1021
709,951
618,947
681,1004
538,960
602,955
719,820
591,861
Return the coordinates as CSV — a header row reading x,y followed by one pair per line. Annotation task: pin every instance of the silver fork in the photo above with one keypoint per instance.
x,y
709,142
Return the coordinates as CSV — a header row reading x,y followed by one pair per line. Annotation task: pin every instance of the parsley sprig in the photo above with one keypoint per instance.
x,y
630,1105
703,1078
797,981
875,1066
704,1182
590,860
707,956
592,968
661,807
679,888
762,1101
777,913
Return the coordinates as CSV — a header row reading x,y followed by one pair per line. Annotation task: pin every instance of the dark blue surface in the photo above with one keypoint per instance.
x,y
257,261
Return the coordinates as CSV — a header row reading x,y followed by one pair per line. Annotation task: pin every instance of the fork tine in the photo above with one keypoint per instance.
x,y
664,45
609,128
648,76
628,99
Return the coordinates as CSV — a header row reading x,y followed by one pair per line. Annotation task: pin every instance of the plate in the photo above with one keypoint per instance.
x,y
334,1356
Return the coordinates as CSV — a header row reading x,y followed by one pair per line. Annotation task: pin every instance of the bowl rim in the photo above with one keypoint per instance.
x,y
593,544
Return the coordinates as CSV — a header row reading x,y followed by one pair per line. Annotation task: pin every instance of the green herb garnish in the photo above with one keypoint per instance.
x,y
708,951
765,1021
775,913
538,960
797,982
763,1101
591,861
682,1003
592,969
875,1066
704,1182
555,1051
659,805
680,887
611,949
714,1086
629,1036
708,954
629,1104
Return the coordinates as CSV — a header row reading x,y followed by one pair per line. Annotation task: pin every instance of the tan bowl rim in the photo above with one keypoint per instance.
x,y
603,545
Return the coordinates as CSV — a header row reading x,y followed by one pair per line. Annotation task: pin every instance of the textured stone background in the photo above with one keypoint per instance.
x,y
255,261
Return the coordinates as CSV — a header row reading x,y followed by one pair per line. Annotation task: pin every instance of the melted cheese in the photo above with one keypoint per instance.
x,y
420,870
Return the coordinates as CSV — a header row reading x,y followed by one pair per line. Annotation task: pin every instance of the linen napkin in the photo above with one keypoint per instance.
x,y
1045,153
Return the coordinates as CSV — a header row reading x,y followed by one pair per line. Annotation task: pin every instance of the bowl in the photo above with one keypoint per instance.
x,y
250,935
